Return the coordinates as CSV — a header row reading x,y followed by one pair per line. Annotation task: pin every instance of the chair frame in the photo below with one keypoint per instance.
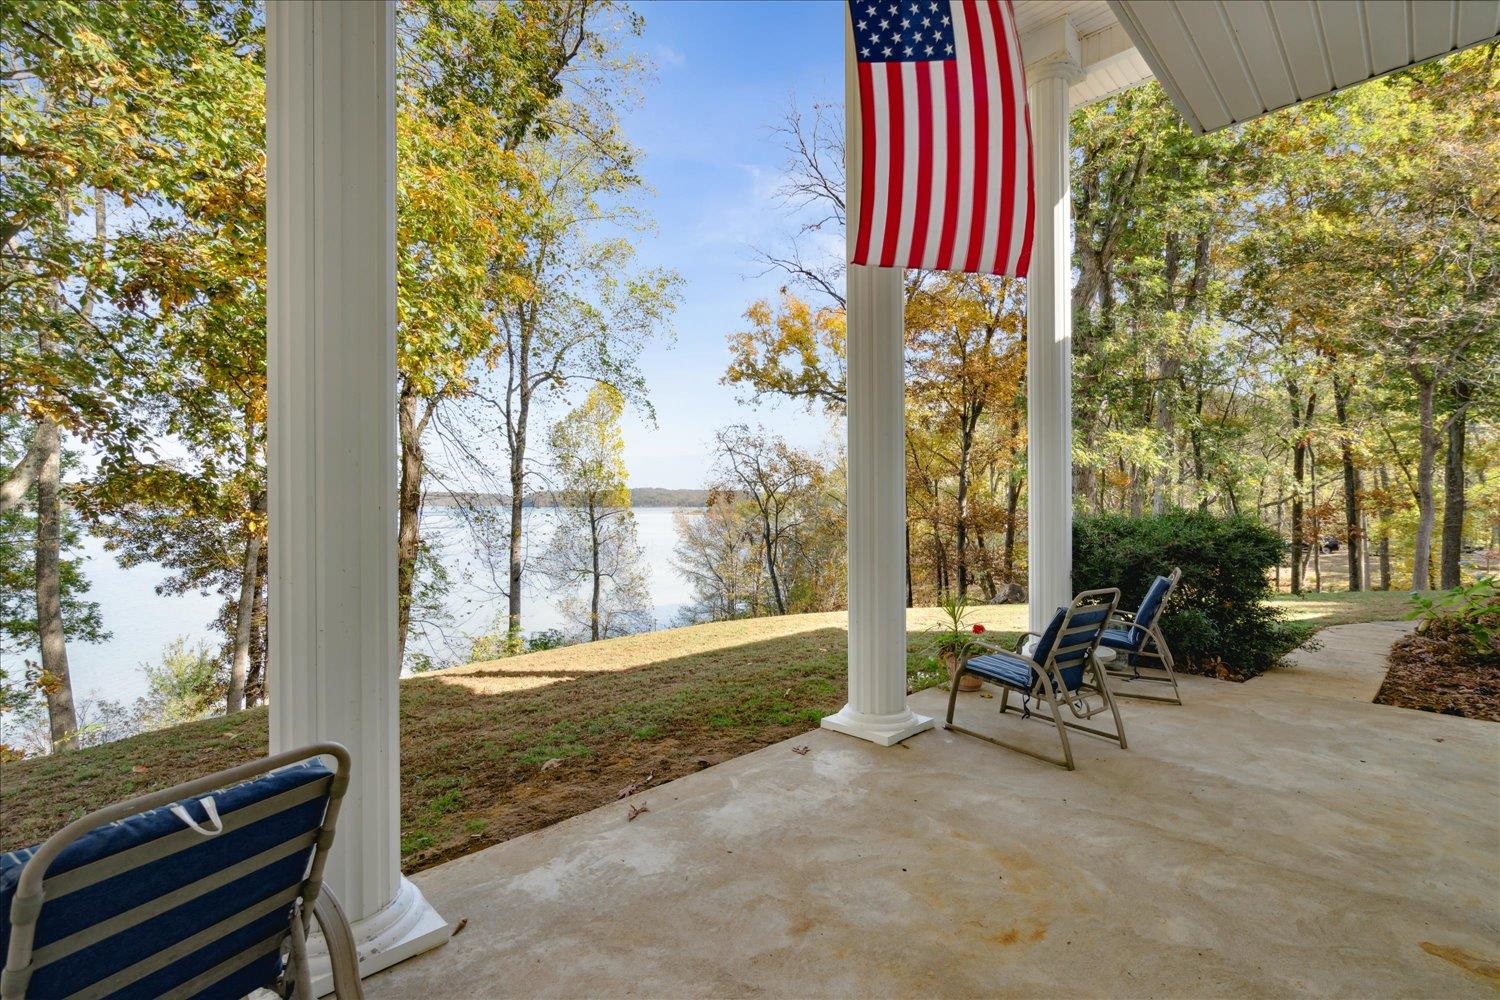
x,y
1162,671
315,901
1047,681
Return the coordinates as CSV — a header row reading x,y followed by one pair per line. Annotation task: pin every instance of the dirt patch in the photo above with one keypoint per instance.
x,y
1439,670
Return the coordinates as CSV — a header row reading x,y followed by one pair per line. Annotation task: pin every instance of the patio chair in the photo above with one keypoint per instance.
x,y
206,889
1060,672
1136,637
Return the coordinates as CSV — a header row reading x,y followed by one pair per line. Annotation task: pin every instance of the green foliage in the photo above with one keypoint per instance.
x,y
544,639
188,684
1473,607
1216,621
954,634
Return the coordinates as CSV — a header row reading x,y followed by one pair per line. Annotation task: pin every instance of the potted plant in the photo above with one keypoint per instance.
x,y
953,639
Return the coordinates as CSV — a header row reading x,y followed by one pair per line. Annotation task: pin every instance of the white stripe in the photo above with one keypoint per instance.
x,y
939,154
966,139
910,154
1022,181
995,109
882,123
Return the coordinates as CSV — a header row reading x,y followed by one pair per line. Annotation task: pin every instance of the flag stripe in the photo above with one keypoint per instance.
x,y
866,164
954,155
998,251
980,74
945,175
921,215
895,107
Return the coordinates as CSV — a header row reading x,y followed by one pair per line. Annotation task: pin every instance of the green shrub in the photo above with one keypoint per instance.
x,y
1217,621
1473,608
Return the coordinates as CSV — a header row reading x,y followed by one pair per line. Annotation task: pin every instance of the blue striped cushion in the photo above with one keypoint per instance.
x,y
1151,604
1128,639
218,959
1002,668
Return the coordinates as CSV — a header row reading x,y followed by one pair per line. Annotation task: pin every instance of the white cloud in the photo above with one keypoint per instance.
x,y
669,55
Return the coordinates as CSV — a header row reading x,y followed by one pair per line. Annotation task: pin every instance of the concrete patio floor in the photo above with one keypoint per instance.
x,y
1280,837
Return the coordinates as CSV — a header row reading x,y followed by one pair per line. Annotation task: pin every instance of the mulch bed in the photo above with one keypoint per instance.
x,y
1439,670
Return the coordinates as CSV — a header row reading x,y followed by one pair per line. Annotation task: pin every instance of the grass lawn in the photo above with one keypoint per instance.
x,y
493,750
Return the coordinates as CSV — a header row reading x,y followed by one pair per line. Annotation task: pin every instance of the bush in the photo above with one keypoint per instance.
x,y
1217,621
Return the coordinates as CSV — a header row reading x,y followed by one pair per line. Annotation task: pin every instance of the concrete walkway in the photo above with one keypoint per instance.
x,y
1280,837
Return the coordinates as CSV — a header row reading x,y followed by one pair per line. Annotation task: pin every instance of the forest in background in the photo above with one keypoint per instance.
x,y
1294,320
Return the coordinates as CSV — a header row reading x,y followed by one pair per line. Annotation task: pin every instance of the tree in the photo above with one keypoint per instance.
x,y
965,359
593,545
587,314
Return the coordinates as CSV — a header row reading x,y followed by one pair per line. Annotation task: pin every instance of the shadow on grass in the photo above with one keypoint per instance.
x,y
481,766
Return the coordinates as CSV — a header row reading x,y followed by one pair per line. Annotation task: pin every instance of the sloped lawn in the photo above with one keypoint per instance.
x,y
494,750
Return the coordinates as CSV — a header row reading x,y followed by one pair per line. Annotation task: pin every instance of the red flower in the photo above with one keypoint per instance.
x,y
979,630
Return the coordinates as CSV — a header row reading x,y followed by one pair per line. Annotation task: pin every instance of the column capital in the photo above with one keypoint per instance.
x,y
1066,70
1052,52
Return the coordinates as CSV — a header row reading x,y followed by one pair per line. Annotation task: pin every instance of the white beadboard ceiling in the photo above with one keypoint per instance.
x,y
1228,61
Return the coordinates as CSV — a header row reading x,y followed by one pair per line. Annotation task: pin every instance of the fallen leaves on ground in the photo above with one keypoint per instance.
x,y
636,810
801,751
1439,670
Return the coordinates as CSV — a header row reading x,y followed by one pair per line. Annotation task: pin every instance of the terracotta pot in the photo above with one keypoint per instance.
x,y
969,682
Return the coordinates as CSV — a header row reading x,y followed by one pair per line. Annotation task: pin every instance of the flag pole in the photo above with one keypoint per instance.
x,y
876,421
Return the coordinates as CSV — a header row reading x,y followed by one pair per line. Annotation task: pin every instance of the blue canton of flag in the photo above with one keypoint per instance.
x,y
908,31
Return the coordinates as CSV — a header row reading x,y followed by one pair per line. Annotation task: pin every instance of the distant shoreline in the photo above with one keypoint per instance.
x,y
645,496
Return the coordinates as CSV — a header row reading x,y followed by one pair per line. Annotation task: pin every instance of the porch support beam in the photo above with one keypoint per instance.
x,y
1049,326
331,258
877,709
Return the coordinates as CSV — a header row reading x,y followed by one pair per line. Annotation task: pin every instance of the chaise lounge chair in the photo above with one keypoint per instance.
x,y
206,889
1136,637
1060,671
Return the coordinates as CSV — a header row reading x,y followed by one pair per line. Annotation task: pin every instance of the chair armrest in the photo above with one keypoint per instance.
x,y
1021,640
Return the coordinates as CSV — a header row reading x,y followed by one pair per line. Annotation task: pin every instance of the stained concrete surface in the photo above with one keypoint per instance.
x,y
1275,838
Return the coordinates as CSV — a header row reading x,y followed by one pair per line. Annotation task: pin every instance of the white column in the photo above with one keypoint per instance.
x,y
331,256
1049,332
877,709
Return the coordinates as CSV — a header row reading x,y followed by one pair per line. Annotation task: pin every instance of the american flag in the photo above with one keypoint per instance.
x,y
945,137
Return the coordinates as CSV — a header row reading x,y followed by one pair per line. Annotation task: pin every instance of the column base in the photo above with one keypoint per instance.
x,y
883,730
407,927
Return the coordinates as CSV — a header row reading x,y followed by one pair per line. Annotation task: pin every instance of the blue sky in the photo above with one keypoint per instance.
x,y
725,72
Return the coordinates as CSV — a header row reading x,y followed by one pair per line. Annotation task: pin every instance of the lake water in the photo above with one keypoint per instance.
x,y
143,621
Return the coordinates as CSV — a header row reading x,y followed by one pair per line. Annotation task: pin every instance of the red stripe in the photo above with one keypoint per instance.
x,y
950,189
1023,259
1008,108
895,108
1023,263
923,213
981,136
867,139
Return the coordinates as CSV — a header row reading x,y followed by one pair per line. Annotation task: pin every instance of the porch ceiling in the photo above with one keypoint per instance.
x,y
1224,63
1279,837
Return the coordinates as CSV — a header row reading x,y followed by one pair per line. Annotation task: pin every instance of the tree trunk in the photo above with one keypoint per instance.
x,y
770,547
1385,533
255,684
908,561
1421,560
20,478
1008,547
598,581
1453,491
56,682
239,667
411,422
1352,520
1299,530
